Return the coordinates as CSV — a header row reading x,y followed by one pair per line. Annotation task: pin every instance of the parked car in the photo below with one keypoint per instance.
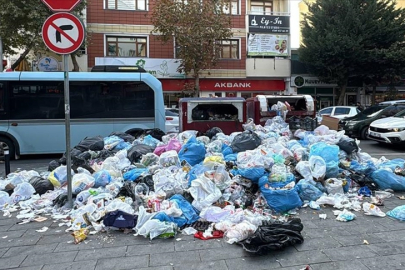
x,y
172,121
358,125
339,112
388,130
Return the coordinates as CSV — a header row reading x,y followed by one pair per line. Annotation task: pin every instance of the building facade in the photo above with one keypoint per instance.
x,y
257,58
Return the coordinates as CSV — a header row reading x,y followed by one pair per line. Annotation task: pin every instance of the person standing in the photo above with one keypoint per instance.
x,y
359,106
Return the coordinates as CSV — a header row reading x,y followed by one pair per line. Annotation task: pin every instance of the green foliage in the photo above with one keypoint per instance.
x,y
21,24
349,38
196,27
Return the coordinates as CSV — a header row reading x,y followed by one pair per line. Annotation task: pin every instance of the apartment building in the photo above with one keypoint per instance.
x,y
256,60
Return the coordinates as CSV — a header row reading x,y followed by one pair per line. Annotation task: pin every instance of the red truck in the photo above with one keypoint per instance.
x,y
229,113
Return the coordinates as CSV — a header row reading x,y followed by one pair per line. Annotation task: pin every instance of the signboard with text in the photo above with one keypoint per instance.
x,y
267,45
269,24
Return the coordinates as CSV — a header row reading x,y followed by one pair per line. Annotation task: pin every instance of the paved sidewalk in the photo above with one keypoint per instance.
x,y
328,244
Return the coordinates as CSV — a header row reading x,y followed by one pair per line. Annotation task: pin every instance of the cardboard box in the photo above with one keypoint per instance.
x,y
330,122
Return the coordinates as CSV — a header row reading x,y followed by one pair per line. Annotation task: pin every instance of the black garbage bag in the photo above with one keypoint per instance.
x,y
120,219
136,152
73,153
363,180
127,190
349,146
81,159
198,114
274,236
91,143
147,180
40,184
213,131
246,140
61,200
53,165
125,136
156,133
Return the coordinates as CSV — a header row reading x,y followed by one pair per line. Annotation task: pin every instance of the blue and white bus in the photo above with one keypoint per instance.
x,y
32,118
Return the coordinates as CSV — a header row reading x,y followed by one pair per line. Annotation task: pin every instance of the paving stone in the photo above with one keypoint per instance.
x,y
2,251
4,228
318,243
222,253
25,241
174,258
36,267
7,221
198,244
11,262
50,239
389,236
83,265
389,248
157,268
325,232
350,253
49,258
30,225
253,263
149,249
302,257
353,240
352,265
214,265
391,224
29,250
310,224
393,262
12,234
132,262
100,253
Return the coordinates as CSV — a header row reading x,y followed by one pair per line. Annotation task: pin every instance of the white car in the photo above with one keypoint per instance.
x,y
339,112
172,121
388,130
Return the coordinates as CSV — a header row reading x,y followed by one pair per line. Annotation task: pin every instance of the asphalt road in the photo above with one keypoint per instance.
x,y
40,162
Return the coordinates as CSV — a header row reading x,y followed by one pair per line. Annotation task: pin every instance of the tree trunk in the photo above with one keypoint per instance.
x,y
74,61
342,94
373,95
197,84
22,56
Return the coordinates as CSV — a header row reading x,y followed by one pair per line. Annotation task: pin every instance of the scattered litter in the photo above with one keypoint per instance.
x,y
4,237
322,216
366,242
43,229
40,219
178,239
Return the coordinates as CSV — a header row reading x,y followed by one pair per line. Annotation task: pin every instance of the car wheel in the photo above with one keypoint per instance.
x,y
7,143
364,133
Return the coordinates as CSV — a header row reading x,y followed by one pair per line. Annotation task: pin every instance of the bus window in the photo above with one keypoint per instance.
x,y
1,96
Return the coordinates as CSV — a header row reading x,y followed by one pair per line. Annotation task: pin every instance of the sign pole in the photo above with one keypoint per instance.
x,y
67,129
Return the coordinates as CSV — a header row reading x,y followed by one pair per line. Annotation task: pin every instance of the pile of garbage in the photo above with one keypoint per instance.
x,y
244,187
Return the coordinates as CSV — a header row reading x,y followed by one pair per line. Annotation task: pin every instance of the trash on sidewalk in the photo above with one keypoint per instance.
x,y
244,187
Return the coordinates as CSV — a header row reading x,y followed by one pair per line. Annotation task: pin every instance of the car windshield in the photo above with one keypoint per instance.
x,y
372,111
400,114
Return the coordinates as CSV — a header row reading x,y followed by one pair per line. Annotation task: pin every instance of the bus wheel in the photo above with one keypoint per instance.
x,y
6,143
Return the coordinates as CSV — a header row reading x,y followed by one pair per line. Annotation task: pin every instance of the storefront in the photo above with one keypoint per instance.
x,y
174,89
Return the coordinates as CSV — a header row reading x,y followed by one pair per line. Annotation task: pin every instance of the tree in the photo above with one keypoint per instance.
x,y
197,28
21,25
341,38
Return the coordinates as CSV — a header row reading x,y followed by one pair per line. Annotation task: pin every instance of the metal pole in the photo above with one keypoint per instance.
x,y
67,128
1,55
7,159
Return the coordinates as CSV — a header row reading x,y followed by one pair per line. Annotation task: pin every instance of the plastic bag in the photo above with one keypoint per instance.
x,y
169,158
397,213
149,140
388,180
82,181
280,200
111,142
204,192
101,178
239,232
22,192
334,185
318,167
150,159
215,213
193,152
118,204
58,177
41,185
278,173
304,168
245,141
136,152
392,164
154,228
372,210
91,143
4,199
308,191
134,174
345,215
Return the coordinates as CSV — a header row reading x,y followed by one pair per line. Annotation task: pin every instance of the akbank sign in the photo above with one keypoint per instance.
x,y
304,81
160,68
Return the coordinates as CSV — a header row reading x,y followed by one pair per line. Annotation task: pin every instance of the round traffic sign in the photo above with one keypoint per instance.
x,y
63,33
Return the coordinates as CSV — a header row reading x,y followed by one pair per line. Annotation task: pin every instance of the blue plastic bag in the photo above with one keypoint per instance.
x,y
308,191
192,151
195,171
231,157
388,180
253,174
226,150
365,191
280,200
123,145
134,174
327,152
393,163
363,168
398,212
102,178
346,184
189,212
149,140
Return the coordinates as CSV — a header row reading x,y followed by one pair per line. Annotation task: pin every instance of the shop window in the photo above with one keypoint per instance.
x,y
126,46
261,7
126,4
229,49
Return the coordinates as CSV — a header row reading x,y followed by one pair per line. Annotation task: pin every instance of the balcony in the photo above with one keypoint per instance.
x,y
268,67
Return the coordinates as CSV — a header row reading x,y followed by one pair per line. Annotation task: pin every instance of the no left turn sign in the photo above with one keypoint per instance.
x,y
63,33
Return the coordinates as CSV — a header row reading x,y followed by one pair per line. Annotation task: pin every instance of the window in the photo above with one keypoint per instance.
x,y
232,7
327,111
126,4
261,7
126,46
229,49
342,111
